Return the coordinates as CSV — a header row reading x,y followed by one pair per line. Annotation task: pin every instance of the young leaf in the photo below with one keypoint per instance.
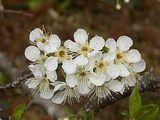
x,y
134,103
90,115
149,114
82,113
67,110
125,113
18,111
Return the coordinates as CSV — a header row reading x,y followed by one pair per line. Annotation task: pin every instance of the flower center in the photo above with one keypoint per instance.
x,y
100,65
119,56
43,40
84,49
62,53
83,74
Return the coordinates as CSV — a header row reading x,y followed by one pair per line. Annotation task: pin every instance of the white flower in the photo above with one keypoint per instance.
x,y
105,89
80,79
120,54
82,46
101,66
46,43
68,94
41,84
134,69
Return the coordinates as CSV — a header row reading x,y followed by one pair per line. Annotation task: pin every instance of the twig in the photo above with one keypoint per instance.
x,y
16,83
3,10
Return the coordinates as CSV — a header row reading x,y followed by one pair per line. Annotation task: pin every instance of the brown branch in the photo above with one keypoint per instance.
x,y
18,82
148,82
3,10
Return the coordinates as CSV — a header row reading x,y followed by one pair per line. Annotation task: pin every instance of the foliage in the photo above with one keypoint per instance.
x,y
19,111
138,112
69,115
61,4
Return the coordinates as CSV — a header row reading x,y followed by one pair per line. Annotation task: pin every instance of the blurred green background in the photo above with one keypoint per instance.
x,y
138,19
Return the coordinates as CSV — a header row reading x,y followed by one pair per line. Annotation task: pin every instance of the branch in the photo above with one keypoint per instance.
x,y
148,82
3,10
16,83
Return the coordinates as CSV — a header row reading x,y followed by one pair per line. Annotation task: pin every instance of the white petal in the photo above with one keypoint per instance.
x,y
115,85
130,80
84,90
53,44
91,63
113,71
124,43
52,76
40,45
73,46
69,66
59,97
81,60
32,83
93,53
51,63
98,56
133,56
111,44
80,36
32,53
109,57
97,43
59,86
139,66
123,70
38,70
35,34
97,80
54,41
47,94
71,80
107,77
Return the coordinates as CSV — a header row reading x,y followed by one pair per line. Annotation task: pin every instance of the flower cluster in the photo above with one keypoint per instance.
x,y
92,68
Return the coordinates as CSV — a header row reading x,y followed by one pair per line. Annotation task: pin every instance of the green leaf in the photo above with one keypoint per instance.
x,y
82,113
149,114
134,103
67,110
90,115
18,111
125,113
